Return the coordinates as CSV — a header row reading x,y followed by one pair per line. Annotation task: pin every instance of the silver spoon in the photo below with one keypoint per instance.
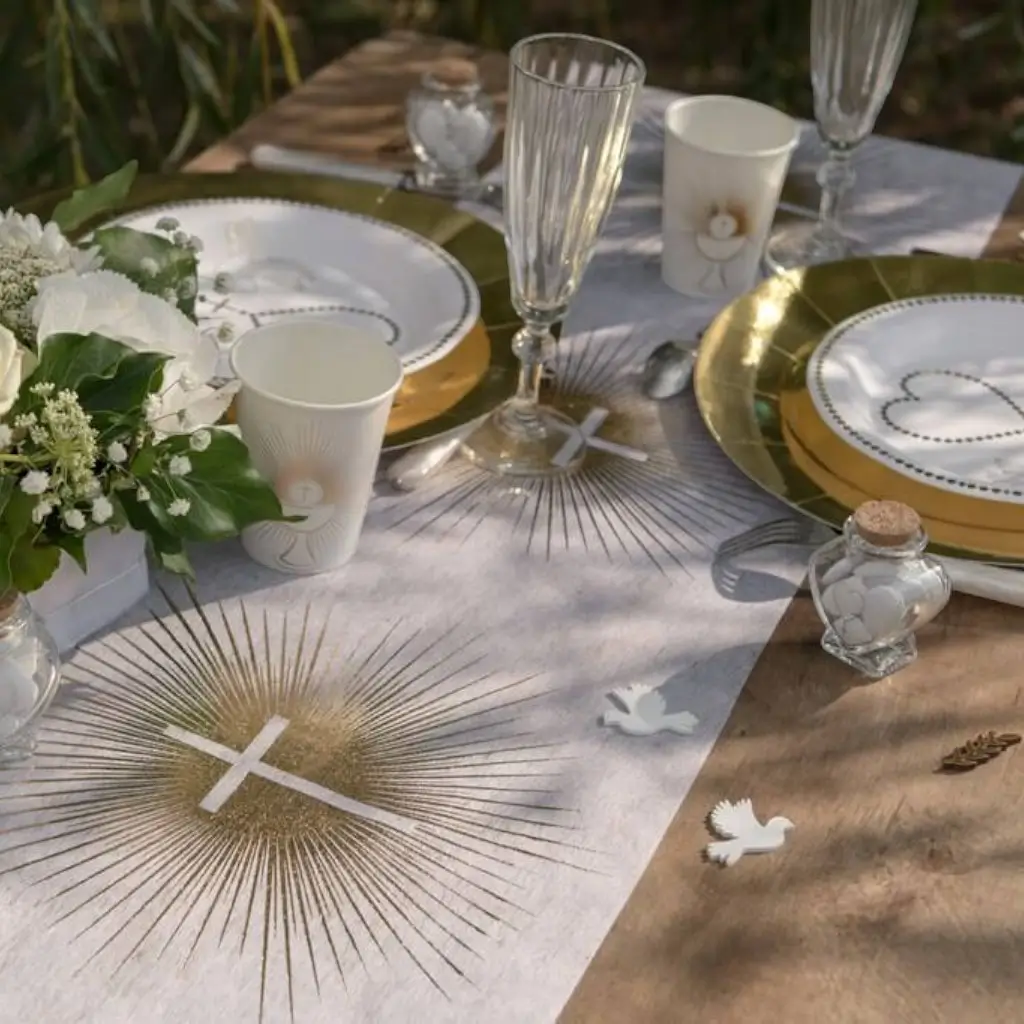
x,y
668,370
415,466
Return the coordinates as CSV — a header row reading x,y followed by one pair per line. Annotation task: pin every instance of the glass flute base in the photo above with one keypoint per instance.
x,y
805,245
874,664
518,440
17,748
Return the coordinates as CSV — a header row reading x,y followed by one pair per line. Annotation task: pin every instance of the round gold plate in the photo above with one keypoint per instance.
x,y
751,390
478,374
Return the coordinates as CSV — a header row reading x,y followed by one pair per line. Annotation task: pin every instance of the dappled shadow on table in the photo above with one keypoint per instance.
x,y
897,895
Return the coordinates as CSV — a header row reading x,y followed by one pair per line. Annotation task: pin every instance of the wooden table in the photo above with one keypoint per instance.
x,y
902,899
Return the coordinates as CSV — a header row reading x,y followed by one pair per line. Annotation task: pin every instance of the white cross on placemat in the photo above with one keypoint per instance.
x,y
250,762
588,429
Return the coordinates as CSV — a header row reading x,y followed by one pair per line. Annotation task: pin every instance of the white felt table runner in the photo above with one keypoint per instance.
x,y
436,828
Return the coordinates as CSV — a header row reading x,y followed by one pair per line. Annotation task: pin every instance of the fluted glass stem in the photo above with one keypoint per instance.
x,y
836,177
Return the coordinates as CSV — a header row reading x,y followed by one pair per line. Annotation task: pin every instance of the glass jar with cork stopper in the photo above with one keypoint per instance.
x,y
874,587
451,126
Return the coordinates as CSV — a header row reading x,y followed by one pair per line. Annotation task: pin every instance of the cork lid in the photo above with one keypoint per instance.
x,y
454,72
886,524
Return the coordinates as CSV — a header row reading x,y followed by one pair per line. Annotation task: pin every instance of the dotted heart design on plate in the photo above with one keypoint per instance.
x,y
923,386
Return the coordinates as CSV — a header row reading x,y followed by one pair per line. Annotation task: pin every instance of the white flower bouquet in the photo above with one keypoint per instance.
x,y
108,408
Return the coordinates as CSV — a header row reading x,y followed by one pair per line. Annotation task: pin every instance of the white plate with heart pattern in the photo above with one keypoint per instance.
x,y
933,388
264,260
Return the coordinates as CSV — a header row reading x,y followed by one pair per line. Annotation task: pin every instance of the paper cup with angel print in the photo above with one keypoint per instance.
x,y
725,161
313,409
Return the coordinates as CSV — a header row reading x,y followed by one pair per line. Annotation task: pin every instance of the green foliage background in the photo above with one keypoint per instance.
x,y
86,85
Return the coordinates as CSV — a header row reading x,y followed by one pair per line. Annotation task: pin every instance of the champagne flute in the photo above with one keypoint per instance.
x,y
856,48
570,111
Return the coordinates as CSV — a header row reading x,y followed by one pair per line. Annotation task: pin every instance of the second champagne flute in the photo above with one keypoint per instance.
x,y
570,111
856,48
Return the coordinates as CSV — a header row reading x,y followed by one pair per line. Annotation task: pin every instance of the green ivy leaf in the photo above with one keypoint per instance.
x,y
7,539
74,361
32,563
85,204
17,542
167,549
119,397
177,268
73,544
225,491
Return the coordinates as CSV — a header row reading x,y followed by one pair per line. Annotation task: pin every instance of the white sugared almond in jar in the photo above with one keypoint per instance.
x,y
884,611
872,571
852,631
839,571
844,597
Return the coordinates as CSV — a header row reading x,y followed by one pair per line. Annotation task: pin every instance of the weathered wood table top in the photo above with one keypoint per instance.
x,y
902,897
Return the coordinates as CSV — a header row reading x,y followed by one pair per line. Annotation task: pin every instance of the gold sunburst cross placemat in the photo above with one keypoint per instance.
x,y
320,807
653,489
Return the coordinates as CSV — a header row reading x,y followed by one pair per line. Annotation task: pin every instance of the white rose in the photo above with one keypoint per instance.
x,y
12,368
103,302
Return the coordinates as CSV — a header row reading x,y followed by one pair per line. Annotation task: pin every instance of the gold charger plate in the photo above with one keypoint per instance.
x,y
469,381
752,393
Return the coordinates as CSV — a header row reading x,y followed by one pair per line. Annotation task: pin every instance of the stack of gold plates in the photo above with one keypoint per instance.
x,y
916,393
430,278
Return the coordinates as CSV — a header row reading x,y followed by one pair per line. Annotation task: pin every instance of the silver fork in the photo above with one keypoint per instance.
x,y
742,584
991,582
776,533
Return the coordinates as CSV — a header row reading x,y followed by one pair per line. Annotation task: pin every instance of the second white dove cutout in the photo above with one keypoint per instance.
x,y
742,833
642,712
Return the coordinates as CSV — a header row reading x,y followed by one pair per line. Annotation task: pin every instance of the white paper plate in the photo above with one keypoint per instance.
x,y
933,388
267,259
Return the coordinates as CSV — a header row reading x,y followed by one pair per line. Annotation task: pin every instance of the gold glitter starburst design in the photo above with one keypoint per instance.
x,y
219,776
636,499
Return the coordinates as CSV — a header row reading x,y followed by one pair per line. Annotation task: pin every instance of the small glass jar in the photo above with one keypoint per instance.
x,y
451,125
874,587
29,675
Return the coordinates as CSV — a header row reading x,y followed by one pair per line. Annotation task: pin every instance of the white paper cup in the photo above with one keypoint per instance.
x,y
313,409
725,161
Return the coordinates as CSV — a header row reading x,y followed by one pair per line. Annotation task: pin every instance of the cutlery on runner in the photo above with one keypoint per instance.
x,y
268,157
668,370
414,467
978,579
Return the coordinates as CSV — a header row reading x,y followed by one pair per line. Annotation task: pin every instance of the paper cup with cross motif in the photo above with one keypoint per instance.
x,y
313,409
725,161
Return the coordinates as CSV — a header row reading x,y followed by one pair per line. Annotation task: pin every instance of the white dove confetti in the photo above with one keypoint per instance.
x,y
642,713
742,833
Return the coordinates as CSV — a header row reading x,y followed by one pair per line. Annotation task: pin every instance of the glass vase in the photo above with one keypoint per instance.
x,y
29,676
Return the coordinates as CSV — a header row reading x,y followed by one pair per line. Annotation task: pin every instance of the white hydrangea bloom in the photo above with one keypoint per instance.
x,y
74,519
102,510
179,465
29,236
200,440
43,508
179,507
110,304
35,481
31,252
